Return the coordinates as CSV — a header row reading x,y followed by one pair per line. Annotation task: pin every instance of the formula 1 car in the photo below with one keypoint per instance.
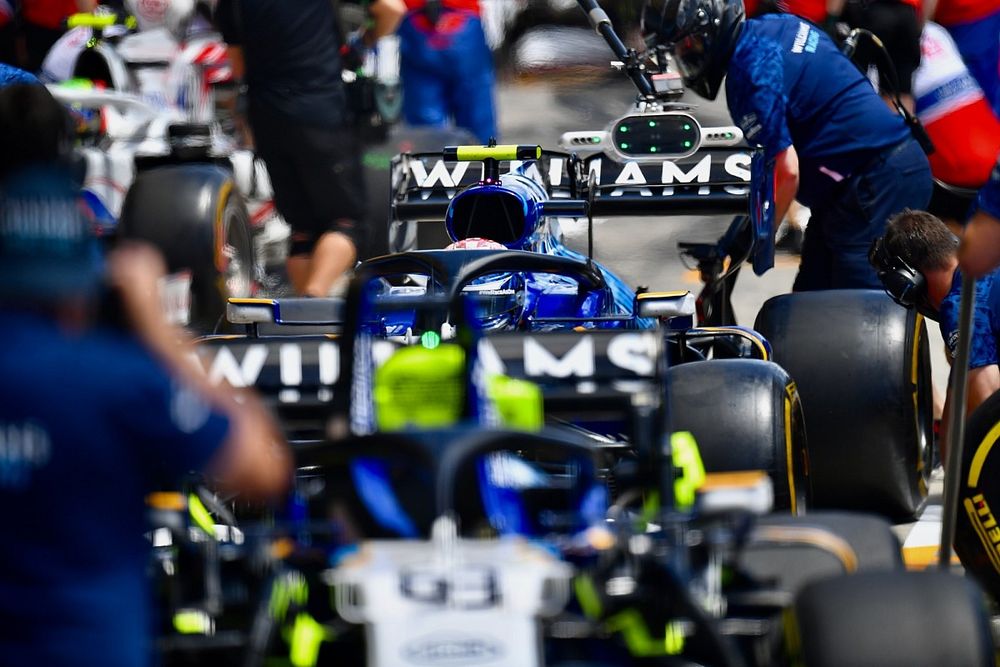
x,y
159,166
156,165
435,517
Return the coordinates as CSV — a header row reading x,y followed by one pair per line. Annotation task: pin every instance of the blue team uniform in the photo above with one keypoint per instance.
x,y
985,323
788,84
89,425
989,194
447,72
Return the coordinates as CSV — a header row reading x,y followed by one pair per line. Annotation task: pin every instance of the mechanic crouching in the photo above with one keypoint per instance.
x,y
92,417
917,261
834,143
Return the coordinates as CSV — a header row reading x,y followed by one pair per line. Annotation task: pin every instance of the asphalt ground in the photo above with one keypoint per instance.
x,y
644,250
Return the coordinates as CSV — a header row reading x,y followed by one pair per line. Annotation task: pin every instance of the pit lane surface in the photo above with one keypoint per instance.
x,y
644,250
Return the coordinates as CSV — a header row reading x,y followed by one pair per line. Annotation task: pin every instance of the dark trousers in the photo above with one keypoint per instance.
x,y
8,44
840,232
316,177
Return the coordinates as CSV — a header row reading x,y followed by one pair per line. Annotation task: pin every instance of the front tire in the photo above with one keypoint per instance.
x,y
745,415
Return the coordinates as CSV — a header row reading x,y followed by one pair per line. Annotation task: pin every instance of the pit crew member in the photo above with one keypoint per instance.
x,y
446,67
289,53
834,143
92,419
917,261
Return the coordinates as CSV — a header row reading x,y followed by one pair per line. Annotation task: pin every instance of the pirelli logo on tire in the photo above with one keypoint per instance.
x,y
982,519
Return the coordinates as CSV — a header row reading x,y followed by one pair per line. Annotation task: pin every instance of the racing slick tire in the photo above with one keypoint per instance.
x,y
862,367
745,415
195,215
789,560
890,619
977,536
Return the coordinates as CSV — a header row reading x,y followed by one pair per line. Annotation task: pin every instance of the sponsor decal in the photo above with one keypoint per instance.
x,y
985,524
452,650
287,369
953,343
24,448
750,125
629,355
646,178
806,39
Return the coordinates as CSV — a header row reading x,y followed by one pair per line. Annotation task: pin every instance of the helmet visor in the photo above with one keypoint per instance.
x,y
692,55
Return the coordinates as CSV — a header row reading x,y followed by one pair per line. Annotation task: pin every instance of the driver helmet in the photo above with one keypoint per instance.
x,y
174,15
701,35
498,297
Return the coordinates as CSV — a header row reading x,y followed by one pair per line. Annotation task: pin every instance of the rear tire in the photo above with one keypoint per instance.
x,y
194,214
890,619
862,365
745,415
977,537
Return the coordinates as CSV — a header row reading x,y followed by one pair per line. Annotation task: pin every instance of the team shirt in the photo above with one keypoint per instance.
x,y
956,114
89,426
788,84
985,324
292,51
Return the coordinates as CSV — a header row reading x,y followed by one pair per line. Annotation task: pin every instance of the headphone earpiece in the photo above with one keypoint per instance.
x,y
904,284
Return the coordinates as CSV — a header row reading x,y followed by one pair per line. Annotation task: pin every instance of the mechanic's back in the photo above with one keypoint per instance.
x,y
830,113
292,55
92,419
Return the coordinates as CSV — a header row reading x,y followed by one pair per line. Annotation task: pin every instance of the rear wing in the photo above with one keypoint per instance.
x,y
714,181
610,381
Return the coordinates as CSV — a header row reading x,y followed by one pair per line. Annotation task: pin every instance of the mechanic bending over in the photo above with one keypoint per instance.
x,y
289,54
834,143
917,261
92,417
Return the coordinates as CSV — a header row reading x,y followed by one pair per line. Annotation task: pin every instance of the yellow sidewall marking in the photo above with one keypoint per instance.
x,y
220,223
789,464
982,451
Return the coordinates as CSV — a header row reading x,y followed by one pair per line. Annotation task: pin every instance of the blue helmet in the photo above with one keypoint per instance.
x,y
702,35
498,298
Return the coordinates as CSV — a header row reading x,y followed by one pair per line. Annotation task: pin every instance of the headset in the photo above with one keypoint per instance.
x,y
902,282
